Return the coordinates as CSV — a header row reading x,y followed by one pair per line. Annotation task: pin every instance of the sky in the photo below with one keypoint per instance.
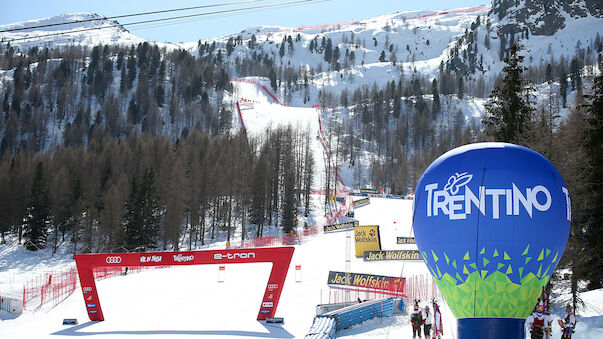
x,y
193,29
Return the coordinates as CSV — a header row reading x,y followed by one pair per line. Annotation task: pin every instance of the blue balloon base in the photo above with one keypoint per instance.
x,y
491,328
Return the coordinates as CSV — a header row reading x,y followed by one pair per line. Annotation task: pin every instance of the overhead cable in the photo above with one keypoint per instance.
x,y
126,16
282,4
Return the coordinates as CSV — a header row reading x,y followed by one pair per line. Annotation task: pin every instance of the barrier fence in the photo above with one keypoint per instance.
x,y
421,287
52,287
342,295
418,287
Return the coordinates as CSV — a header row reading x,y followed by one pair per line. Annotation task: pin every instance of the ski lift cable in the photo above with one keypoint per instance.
x,y
187,20
129,15
210,17
282,4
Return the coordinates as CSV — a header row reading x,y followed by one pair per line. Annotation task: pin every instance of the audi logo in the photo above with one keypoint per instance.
x,y
113,260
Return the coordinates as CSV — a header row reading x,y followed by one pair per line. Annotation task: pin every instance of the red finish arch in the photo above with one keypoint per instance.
x,y
280,257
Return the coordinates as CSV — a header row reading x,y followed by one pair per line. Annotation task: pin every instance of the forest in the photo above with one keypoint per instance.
x,y
115,148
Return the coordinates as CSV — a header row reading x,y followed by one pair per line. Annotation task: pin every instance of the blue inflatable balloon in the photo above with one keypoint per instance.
x,y
491,221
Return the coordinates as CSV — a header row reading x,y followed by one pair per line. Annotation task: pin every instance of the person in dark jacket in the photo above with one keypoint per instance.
x,y
416,319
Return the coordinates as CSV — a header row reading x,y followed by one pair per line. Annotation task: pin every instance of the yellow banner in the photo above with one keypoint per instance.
x,y
361,202
367,239
406,240
392,255
342,226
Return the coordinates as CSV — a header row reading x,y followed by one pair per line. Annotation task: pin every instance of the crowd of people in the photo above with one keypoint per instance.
x,y
539,323
428,323
431,322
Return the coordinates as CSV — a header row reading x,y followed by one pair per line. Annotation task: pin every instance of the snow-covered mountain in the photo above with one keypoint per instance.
x,y
83,29
542,17
370,51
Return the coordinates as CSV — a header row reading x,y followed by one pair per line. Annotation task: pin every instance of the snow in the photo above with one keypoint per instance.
x,y
266,114
185,301
85,29
182,301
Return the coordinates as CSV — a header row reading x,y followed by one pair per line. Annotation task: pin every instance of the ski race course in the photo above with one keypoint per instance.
x,y
183,301
189,301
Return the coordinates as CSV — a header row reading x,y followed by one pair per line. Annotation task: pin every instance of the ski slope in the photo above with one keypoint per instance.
x,y
268,113
184,301
180,302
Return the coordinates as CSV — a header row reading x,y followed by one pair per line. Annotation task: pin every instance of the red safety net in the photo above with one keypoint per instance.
x,y
422,287
53,287
49,288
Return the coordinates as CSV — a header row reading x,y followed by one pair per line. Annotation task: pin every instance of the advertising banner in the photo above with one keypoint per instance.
x,y
366,239
392,255
377,282
361,202
405,240
342,226
369,190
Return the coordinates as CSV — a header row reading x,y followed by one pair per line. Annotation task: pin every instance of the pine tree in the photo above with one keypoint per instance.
x,y
308,175
563,86
436,98
132,222
142,214
460,87
329,51
259,187
289,204
575,75
38,212
594,146
509,110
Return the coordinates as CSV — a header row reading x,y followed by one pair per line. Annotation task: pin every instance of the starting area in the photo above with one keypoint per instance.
x,y
280,257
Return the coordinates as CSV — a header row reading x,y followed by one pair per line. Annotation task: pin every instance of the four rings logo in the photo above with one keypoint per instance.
x,y
113,260
272,287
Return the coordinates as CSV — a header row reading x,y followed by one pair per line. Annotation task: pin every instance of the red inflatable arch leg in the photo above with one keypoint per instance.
x,y
280,257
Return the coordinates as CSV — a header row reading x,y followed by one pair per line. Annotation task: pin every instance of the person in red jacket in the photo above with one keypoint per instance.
x,y
538,323
438,329
568,323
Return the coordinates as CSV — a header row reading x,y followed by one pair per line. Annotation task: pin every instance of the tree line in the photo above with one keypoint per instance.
x,y
147,192
573,145
59,96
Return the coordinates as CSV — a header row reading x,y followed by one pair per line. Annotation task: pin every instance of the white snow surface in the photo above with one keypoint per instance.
x,y
181,302
83,29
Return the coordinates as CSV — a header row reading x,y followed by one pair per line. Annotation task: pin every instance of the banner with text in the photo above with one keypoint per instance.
x,y
369,190
377,282
342,226
361,202
392,255
366,239
405,240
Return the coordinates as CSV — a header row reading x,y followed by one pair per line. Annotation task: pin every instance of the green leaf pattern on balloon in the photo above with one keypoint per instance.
x,y
472,290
